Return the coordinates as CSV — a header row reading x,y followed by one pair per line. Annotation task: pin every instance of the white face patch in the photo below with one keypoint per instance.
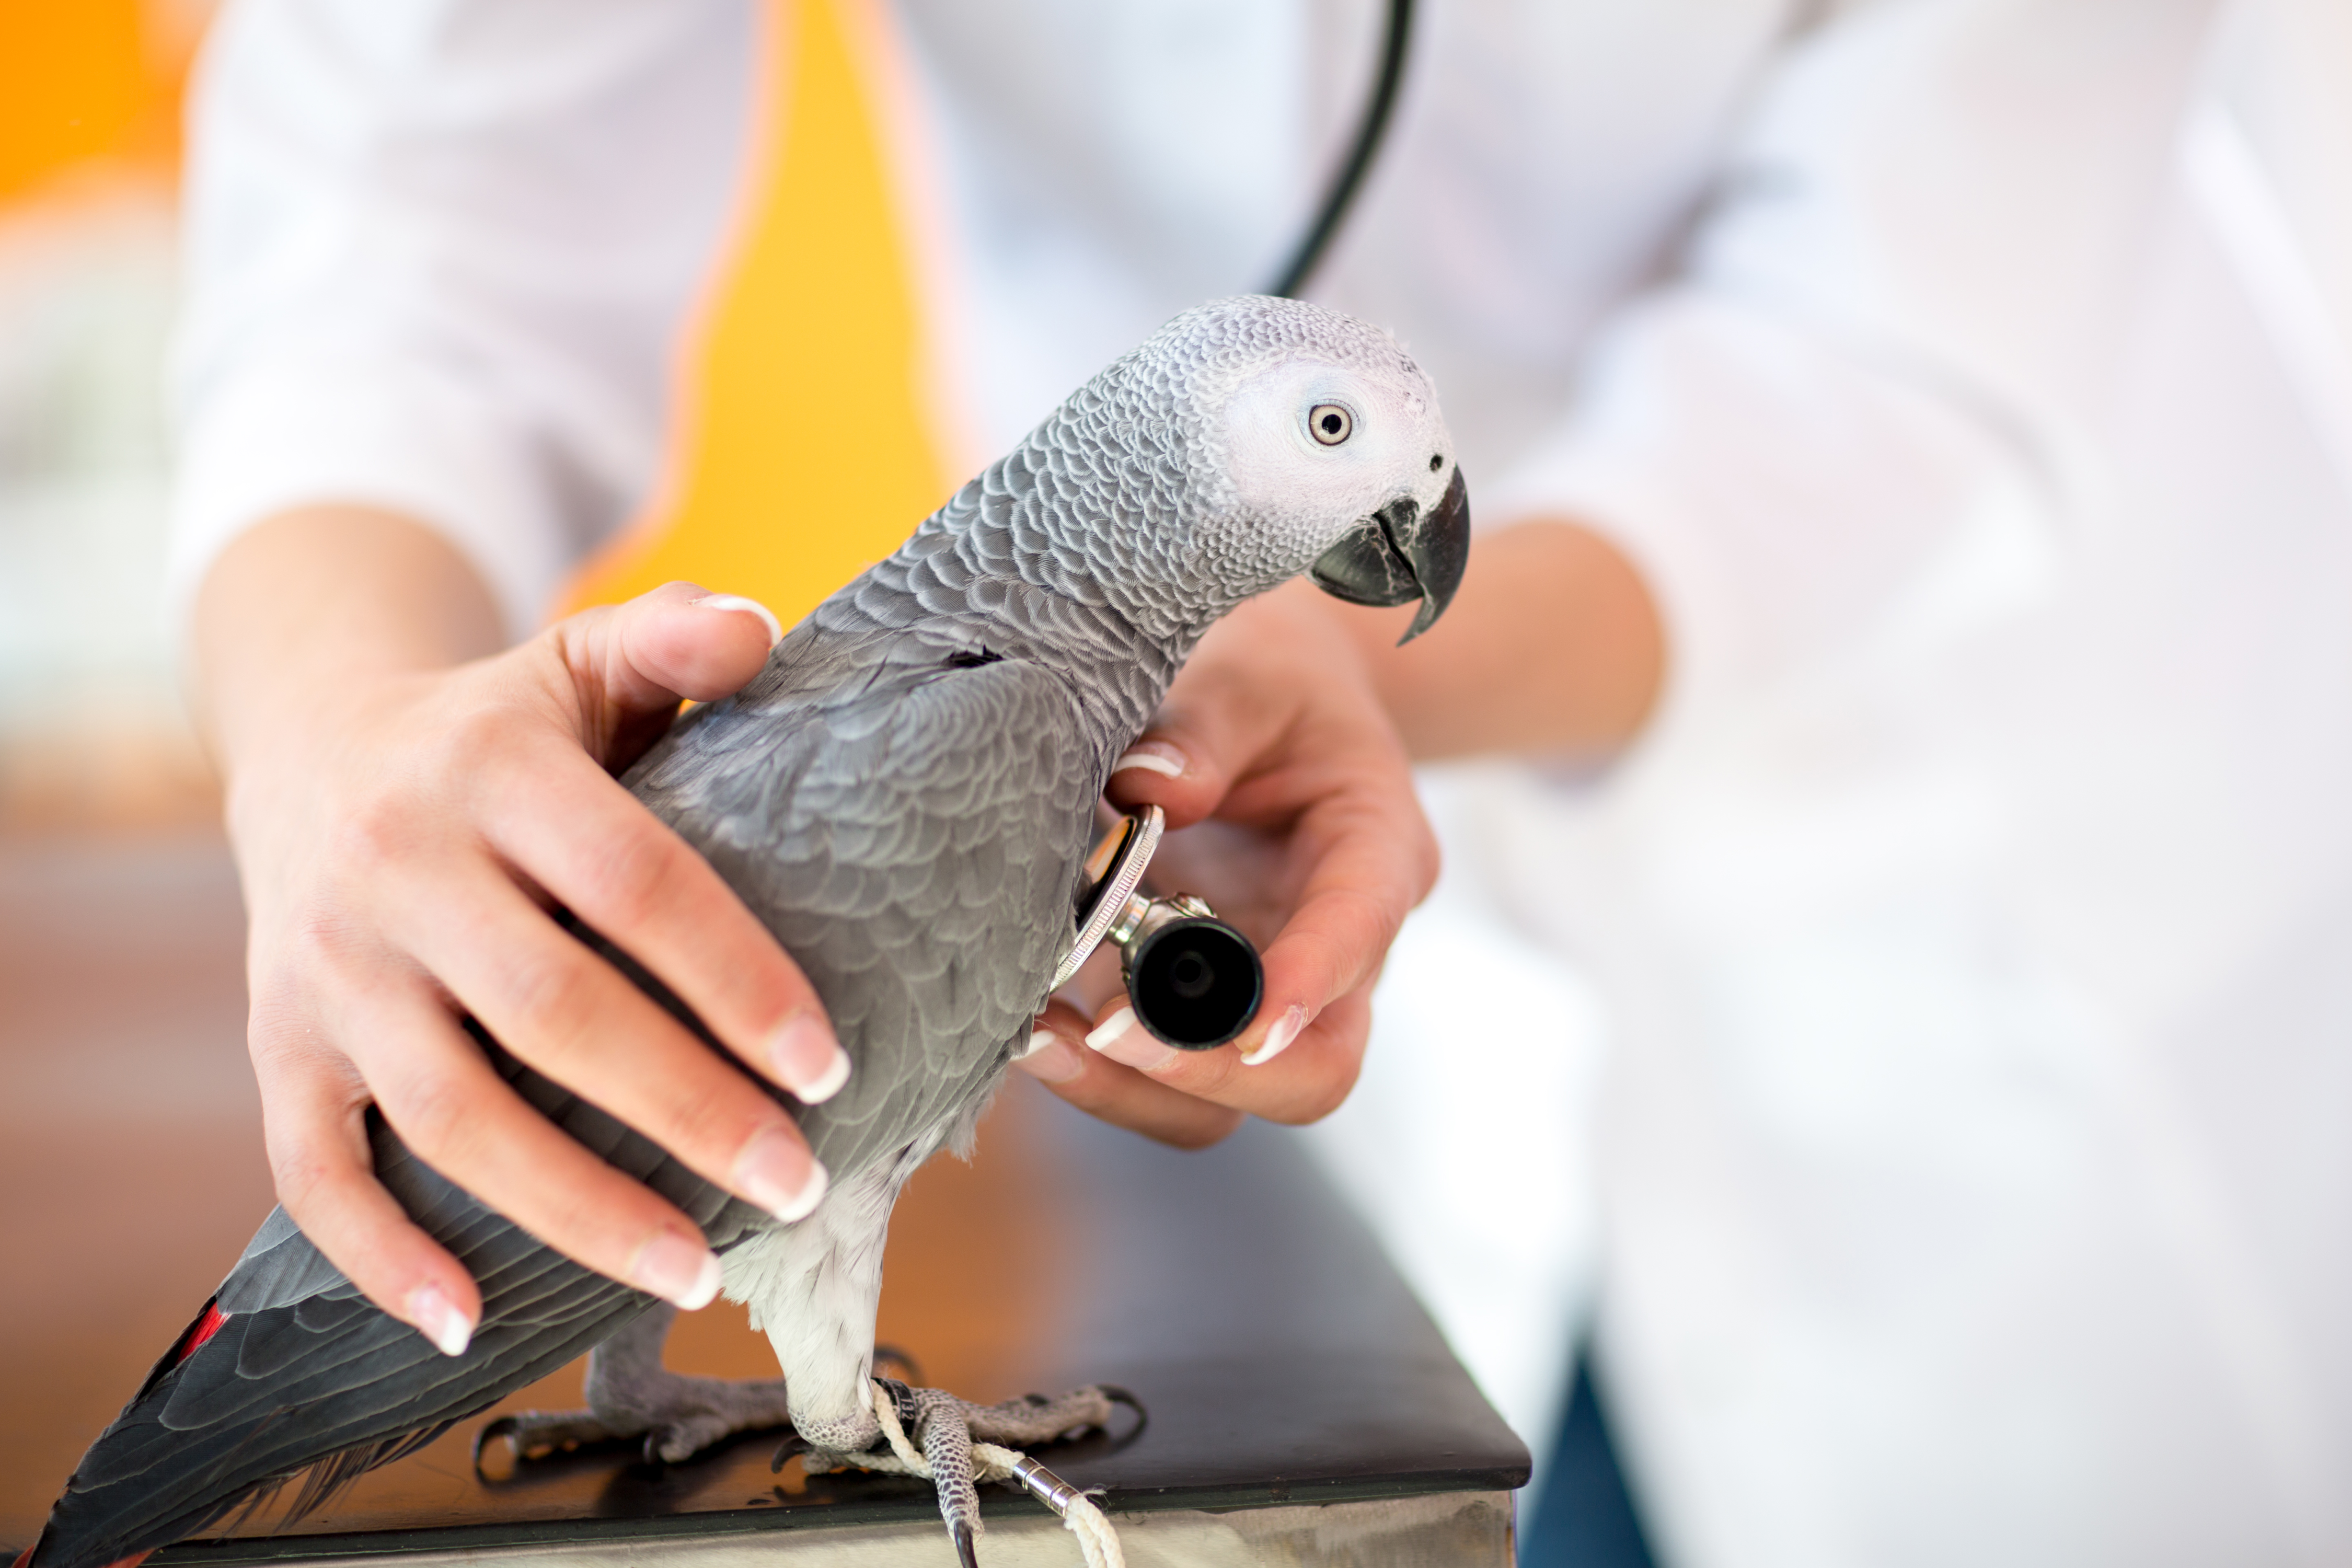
x,y
1284,477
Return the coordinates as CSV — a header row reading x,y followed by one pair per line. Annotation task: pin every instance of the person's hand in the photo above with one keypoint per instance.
x,y
1274,757
400,837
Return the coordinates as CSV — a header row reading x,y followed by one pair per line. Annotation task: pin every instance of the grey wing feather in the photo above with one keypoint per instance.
x,y
280,1268
912,838
913,843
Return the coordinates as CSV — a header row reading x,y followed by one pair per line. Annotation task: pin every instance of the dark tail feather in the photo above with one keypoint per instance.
x,y
318,1393
324,1387
24,1558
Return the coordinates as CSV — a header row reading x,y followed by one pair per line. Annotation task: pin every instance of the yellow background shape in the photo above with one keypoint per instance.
x,y
802,454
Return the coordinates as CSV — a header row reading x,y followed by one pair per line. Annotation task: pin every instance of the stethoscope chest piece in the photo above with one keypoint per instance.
x,y
1195,981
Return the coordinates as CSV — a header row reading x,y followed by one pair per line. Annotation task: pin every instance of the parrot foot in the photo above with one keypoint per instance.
x,y
673,1418
956,1445
631,1396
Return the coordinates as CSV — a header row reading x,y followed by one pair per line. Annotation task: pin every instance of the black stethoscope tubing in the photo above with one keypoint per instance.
x,y
1361,154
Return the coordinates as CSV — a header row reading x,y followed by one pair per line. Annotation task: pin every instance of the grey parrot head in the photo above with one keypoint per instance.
x,y
1255,439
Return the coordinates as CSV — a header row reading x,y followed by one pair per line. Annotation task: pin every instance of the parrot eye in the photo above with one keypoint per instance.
x,y
1436,461
1330,423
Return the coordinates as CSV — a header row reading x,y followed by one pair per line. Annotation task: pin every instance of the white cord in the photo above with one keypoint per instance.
x,y
1097,1540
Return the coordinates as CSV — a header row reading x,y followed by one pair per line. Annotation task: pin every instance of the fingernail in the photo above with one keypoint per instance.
x,y
1287,1028
1049,1058
807,1059
1152,756
438,1319
748,606
780,1175
676,1269
1122,1042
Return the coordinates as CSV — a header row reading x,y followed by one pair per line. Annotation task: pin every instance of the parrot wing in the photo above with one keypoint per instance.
x,y
288,1368
914,842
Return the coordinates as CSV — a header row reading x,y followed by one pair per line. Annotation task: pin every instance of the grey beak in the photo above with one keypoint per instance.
x,y
1397,556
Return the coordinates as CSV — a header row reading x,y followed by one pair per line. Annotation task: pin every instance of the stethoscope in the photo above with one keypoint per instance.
x,y
1195,981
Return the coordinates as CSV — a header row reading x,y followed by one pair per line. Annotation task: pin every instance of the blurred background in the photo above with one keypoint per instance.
x,y
93,735
127,1111
130,1149
122,1069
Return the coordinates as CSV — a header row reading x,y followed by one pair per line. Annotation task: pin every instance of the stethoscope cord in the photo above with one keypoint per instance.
x,y
1342,195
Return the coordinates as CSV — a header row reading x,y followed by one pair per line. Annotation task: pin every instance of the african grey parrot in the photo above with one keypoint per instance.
x,y
905,795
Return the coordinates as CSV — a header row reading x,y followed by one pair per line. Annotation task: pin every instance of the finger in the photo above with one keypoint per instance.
x,y
599,852
1178,764
317,1139
1057,1059
1225,719
455,1113
1311,1079
561,1008
1369,859
1363,884
1340,790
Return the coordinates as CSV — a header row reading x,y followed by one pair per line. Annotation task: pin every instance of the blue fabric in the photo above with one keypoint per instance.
x,y
1584,1517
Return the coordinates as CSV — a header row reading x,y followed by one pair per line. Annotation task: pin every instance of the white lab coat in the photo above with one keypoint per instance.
x,y
1966,376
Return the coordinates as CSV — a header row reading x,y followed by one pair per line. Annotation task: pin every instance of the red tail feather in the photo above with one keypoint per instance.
x,y
203,1328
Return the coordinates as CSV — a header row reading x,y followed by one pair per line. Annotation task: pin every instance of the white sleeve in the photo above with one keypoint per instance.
x,y
1888,337
439,252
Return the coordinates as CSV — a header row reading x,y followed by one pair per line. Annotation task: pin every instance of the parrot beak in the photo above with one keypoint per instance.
x,y
1397,556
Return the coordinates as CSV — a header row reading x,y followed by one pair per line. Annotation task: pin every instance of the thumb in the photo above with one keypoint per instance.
x,y
681,640
678,641
1190,758
1170,769
633,662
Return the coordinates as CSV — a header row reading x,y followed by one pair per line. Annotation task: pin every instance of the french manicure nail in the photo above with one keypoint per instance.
x,y
1287,1028
807,1059
1050,1058
777,1173
438,1319
1122,1042
1152,756
676,1270
737,602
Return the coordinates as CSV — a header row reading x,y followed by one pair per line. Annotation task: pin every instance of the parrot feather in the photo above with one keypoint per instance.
x,y
904,796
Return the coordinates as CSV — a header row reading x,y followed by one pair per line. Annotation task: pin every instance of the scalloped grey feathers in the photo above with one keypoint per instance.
x,y
904,795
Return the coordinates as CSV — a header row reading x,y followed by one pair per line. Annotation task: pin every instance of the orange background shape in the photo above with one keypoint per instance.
x,y
801,453
83,81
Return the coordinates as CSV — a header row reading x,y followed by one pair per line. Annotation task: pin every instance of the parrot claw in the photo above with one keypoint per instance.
x,y
632,1397
537,1434
946,1428
672,1432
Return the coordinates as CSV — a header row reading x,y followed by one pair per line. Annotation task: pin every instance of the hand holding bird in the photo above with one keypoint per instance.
x,y
903,797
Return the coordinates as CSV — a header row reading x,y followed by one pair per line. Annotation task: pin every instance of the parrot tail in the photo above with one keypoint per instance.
x,y
299,1377
206,1432
24,1558
320,1391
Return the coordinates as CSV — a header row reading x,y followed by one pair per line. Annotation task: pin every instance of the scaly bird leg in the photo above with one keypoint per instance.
x,y
632,1394
946,1428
